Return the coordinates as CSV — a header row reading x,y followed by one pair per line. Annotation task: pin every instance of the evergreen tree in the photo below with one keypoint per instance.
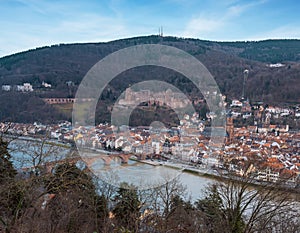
x,y
127,208
76,206
7,170
68,178
11,193
228,217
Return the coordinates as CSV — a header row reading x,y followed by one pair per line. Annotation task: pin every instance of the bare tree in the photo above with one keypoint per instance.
x,y
237,206
35,153
66,201
159,199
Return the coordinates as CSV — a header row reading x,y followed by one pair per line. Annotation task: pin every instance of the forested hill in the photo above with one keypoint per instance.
x,y
226,61
270,51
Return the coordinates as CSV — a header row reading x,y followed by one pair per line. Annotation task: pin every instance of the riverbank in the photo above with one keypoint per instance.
x,y
177,166
215,175
186,168
153,163
209,173
33,139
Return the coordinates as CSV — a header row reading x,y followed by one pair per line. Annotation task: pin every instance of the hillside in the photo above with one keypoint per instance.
x,y
225,60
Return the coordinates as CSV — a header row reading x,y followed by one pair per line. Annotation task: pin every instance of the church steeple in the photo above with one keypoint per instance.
x,y
229,129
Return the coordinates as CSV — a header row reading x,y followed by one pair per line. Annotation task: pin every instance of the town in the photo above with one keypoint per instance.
x,y
164,116
270,152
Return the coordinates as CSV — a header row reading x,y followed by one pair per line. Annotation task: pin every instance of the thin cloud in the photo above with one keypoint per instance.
x,y
283,32
33,5
88,28
238,9
35,23
84,28
202,26
208,25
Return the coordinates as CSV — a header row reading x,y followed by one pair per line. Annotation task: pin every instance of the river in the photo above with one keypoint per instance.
x,y
141,175
145,176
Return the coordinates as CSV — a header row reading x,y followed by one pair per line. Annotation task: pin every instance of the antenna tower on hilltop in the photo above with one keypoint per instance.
x,y
160,31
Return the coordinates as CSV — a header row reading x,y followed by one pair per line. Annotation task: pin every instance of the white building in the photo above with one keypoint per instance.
x,y
156,147
26,87
247,115
268,175
6,87
236,103
47,85
20,88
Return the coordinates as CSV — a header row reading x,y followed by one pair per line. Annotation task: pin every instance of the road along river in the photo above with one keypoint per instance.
x,y
142,175
136,173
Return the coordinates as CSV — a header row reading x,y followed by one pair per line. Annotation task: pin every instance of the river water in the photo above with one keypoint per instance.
x,y
141,175
26,153
145,176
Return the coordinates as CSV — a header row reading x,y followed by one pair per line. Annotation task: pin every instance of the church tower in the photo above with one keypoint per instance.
x,y
229,129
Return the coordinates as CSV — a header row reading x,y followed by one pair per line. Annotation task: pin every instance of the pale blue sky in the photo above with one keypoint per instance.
x,y
26,24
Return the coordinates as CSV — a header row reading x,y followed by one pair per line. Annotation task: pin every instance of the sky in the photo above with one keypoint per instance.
x,y
27,24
